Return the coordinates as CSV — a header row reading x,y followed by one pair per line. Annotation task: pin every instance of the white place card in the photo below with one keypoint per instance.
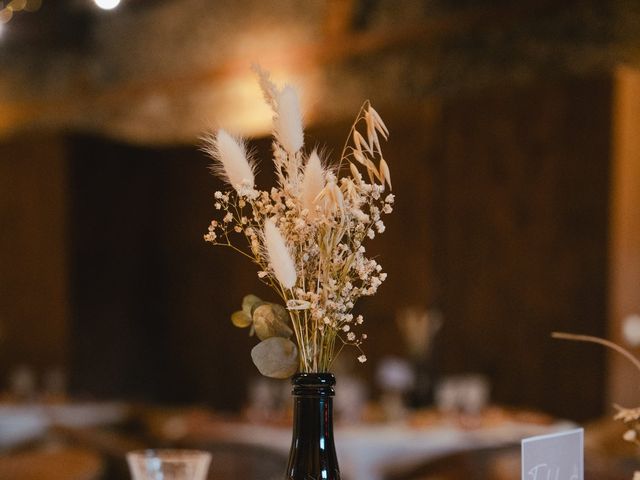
x,y
558,456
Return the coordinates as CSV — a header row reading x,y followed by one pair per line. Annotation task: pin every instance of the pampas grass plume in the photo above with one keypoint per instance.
x,y
279,256
288,121
232,162
312,183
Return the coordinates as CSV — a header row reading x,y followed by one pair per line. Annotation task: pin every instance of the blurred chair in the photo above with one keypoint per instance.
x,y
246,462
62,464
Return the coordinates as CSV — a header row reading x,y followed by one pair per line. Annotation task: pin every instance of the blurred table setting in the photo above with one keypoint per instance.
x,y
21,423
369,448
32,406
402,417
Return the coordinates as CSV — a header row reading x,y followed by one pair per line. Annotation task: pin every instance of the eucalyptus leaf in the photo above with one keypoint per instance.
x,y
255,306
248,303
240,319
268,322
275,357
281,313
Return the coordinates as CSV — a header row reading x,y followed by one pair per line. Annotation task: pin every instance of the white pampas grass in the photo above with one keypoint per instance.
x,y
312,184
288,121
279,255
232,163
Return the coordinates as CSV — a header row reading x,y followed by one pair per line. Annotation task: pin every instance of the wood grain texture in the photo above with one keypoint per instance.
x,y
33,255
524,240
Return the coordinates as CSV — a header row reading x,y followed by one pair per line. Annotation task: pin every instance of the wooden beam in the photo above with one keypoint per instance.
x,y
624,254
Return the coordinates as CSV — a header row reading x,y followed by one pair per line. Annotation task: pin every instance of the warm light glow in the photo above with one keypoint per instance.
x,y
33,5
5,15
17,5
107,4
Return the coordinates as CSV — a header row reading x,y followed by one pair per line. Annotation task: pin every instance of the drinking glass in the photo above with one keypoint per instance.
x,y
169,464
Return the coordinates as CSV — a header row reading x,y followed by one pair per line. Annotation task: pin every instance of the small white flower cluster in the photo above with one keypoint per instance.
x,y
631,418
322,220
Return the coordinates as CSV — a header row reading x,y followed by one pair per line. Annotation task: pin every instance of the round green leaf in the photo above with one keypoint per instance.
x,y
240,319
248,303
267,322
275,357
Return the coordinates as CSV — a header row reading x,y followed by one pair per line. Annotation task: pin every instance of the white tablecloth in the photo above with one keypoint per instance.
x,y
366,451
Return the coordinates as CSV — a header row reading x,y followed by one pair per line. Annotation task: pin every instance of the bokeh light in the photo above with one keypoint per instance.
x,y
33,5
9,9
18,5
5,15
107,4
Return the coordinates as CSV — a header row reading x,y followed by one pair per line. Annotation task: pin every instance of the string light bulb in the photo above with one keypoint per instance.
x,y
107,4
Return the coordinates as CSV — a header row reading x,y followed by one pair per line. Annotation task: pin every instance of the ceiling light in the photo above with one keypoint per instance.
x,y
107,4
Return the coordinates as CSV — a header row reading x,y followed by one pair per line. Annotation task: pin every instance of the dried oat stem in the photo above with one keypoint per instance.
x,y
359,116
601,341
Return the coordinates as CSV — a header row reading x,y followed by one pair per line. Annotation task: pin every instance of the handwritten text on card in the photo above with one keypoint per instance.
x,y
558,456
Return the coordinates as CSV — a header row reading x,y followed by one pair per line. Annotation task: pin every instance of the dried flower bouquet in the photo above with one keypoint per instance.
x,y
306,234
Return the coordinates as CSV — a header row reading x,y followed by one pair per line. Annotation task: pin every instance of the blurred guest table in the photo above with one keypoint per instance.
x,y
369,449
24,422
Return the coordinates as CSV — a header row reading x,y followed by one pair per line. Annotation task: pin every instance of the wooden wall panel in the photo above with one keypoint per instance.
x,y
524,241
33,255
118,279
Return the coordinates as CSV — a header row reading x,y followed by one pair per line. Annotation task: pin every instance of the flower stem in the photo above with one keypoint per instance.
x,y
600,341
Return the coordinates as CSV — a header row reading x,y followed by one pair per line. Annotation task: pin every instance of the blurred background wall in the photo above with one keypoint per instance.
x,y
509,144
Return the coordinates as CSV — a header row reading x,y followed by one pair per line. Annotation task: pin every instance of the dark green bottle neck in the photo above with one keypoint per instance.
x,y
313,384
313,407
313,453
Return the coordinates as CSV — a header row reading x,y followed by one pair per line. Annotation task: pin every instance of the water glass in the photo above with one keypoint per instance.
x,y
169,464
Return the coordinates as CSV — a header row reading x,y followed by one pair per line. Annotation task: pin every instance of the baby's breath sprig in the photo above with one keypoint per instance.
x,y
306,235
